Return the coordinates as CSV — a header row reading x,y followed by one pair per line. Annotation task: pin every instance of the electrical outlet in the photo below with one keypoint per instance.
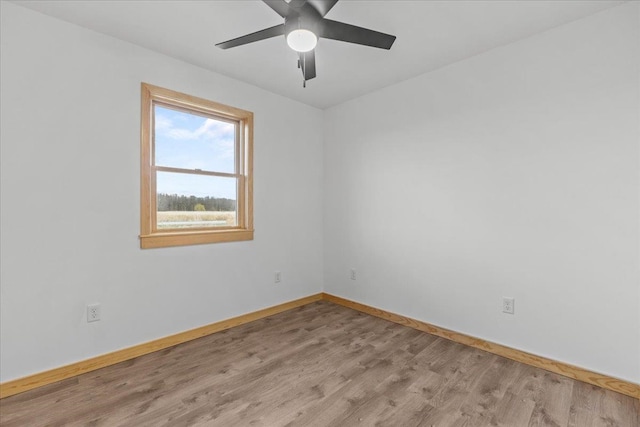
x,y
508,305
93,312
277,277
352,274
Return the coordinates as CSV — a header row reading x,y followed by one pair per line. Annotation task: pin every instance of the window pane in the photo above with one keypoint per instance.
x,y
195,201
189,141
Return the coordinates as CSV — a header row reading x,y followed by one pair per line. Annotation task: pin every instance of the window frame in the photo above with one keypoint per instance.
x,y
150,235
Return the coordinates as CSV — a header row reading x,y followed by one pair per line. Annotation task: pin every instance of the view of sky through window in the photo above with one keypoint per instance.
x,y
189,141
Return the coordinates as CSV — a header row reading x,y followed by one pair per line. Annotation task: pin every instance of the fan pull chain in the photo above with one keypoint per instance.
x,y
304,70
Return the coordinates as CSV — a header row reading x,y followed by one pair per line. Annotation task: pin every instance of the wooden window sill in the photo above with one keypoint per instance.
x,y
183,238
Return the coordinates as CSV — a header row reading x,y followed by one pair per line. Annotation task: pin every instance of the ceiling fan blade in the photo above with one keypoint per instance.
x,y
350,33
308,64
322,6
267,33
281,7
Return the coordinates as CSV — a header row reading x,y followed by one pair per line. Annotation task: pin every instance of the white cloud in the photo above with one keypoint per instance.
x,y
210,129
220,134
162,123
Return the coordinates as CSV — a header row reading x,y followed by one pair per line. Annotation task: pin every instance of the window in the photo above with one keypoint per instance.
x,y
196,184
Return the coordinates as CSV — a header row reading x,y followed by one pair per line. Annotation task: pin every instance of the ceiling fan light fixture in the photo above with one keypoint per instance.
x,y
302,40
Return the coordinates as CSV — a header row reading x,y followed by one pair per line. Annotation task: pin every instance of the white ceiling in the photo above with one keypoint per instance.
x,y
431,34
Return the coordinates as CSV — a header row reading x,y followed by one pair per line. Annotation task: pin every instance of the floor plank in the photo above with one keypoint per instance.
x,y
320,365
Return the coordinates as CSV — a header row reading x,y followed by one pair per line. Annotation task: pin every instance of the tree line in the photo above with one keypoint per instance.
x,y
174,202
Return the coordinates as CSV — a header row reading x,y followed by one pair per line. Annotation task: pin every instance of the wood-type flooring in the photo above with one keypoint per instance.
x,y
320,365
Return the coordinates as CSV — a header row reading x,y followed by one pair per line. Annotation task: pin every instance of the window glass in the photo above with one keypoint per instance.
x,y
195,201
191,141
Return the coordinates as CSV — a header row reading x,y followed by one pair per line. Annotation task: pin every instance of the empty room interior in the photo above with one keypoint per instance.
x,y
320,213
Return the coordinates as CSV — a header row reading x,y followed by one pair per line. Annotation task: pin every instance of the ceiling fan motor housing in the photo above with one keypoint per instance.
x,y
302,22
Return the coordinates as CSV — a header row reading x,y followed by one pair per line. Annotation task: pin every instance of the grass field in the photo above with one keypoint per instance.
x,y
184,219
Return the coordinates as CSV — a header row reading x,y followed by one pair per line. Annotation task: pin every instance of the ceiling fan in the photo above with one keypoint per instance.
x,y
304,23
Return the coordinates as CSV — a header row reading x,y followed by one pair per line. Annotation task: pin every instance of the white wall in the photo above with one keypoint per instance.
x,y
513,173
70,200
